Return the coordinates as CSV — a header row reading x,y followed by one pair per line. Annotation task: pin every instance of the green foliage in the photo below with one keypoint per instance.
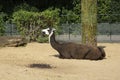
x,y
25,21
104,10
2,23
115,11
104,6
70,16
30,23
107,10
52,17
42,39
0,7
77,6
26,7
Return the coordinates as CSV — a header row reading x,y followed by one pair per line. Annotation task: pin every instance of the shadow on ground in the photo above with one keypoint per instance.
x,y
43,66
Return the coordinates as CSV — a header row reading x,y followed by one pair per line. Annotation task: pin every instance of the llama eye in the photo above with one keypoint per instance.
x,y
48,30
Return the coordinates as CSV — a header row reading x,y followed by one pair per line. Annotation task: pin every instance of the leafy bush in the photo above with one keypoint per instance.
x,y
42,39
27,23
70,16
52,18
26,7
2,23
30,23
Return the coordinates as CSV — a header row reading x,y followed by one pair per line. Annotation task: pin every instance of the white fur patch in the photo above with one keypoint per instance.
x,y
50,35
46,31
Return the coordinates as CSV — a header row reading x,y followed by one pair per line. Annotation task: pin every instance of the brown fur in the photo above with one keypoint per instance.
x,y
76,51
79,51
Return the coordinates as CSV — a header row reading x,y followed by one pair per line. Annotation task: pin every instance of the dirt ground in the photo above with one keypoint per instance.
x,y
40,62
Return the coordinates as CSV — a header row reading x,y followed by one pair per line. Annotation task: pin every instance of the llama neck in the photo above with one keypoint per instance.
x,y
53,42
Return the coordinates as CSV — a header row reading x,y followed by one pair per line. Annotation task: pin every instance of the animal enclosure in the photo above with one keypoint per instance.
x,y
107,32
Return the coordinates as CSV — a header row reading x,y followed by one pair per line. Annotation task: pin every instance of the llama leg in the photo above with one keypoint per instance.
x,y
60,56
85,55
102,51
93,54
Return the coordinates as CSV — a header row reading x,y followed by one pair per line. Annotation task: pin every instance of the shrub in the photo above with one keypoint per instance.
x,y
26,7
2,23
27,23
30,23
42,39
52,17
69,16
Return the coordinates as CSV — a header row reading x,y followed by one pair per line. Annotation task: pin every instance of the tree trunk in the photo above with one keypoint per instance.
x,y
89,22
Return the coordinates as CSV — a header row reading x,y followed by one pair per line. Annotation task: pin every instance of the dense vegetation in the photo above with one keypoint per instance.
x,y
32,15
67,7
2,22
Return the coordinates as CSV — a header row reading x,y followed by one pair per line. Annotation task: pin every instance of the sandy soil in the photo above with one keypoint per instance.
x,y
40,62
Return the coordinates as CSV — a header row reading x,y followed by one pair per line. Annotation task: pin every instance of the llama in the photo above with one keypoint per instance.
x,y
73,50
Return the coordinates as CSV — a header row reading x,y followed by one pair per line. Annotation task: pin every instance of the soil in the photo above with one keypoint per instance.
x,y
38,61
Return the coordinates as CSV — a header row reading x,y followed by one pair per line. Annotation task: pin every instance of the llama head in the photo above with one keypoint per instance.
x,y
48,31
